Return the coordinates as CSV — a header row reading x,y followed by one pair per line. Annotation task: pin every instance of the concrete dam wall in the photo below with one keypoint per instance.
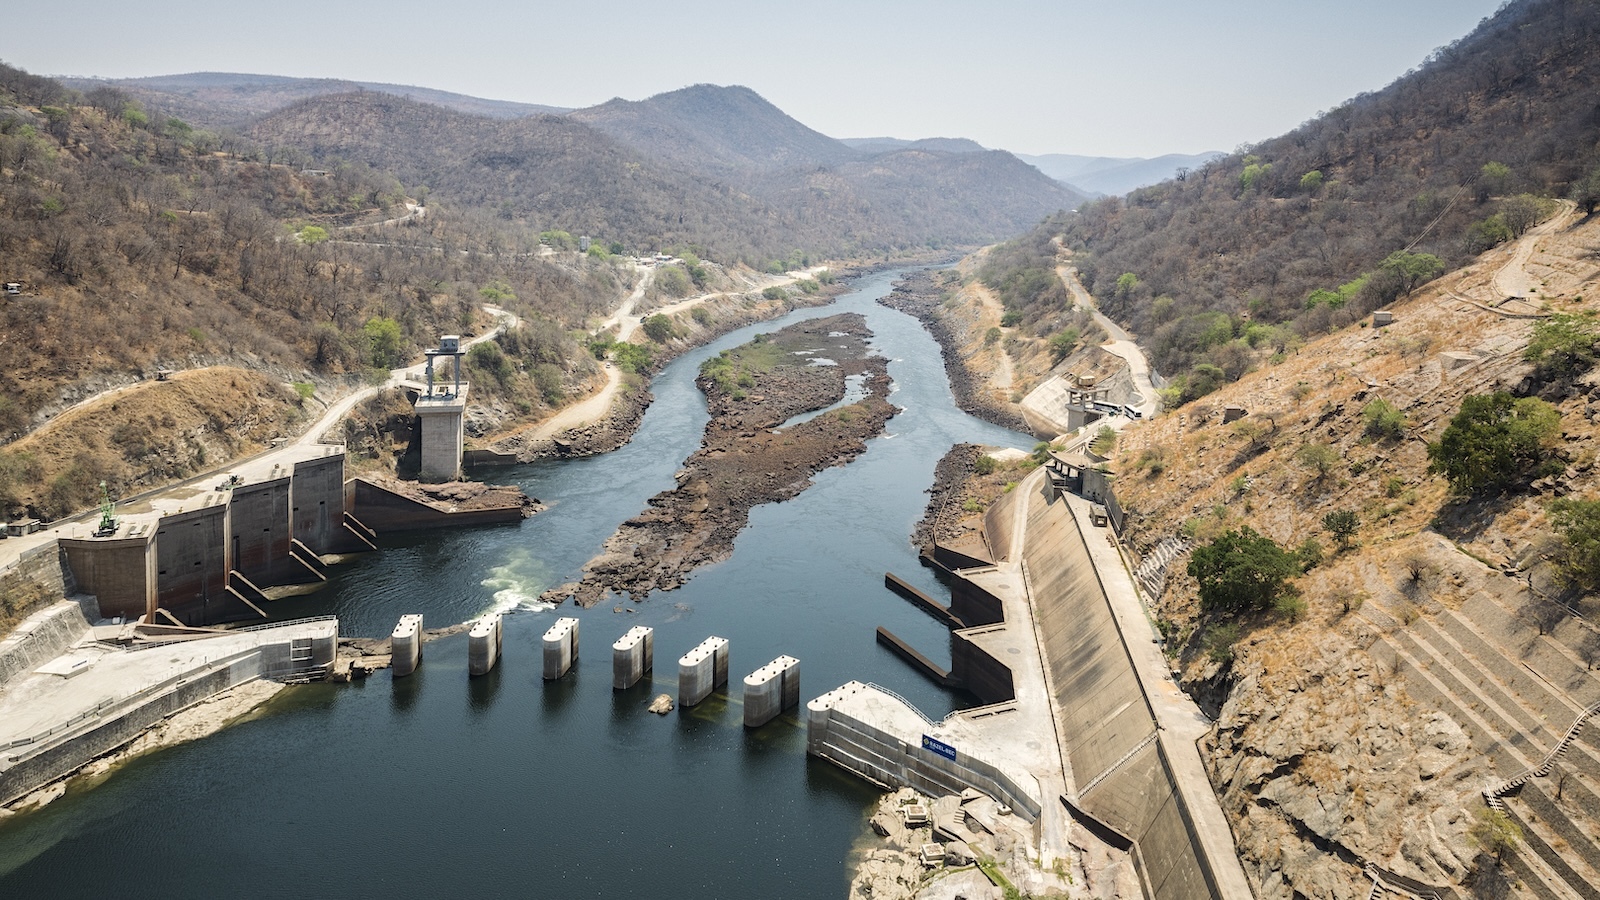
x,y
1119,767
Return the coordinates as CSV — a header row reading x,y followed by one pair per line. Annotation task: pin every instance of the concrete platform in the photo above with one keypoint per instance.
x,y
95,698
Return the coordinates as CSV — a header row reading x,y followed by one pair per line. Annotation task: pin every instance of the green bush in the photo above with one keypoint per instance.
x,y
1578,523
659,328
1242,571
1563,346
985,465
1494,440
634,358
1341,524
1219,641
1383,421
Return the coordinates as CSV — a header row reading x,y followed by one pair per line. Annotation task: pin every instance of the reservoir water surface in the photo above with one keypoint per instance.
x,y
438,785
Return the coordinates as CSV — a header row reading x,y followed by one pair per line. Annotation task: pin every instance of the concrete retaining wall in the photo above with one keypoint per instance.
x,y
893,761
316,503
108,733
260,528
121,572
46,566
977,671
192,566
998,524
383,510
26,765
974,605
41,637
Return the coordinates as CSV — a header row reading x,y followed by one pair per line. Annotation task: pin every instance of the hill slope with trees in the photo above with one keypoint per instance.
x,y
716,168
1281,241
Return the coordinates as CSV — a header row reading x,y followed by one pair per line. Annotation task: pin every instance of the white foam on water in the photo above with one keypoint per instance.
x,y
517,585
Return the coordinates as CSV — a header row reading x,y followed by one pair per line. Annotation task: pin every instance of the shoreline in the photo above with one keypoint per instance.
x,y
916,296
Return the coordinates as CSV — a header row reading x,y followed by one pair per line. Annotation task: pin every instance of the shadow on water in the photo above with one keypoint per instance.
x,y
407,688
707,715
481,689
556,697
783,736
627,704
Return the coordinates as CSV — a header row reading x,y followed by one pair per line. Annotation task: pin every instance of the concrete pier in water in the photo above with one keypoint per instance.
x,y
631,656
702,670
483,644
405,645
560,648
770,690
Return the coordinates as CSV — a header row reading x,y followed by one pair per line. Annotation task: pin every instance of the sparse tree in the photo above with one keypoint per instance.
x,y
1494,832
1319,458
1578,524
1341,524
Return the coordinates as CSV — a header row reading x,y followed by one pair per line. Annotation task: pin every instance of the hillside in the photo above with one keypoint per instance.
x,y
712,129
1434,642
142,244
1438,602
1302,231
214,100
716,168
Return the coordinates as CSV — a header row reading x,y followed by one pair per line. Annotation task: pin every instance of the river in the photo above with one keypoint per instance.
x,y
440,785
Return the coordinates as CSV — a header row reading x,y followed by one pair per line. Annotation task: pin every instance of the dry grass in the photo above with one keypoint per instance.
x,y
147,436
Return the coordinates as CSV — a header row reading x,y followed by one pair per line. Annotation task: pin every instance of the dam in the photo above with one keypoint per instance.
x,y
1067,659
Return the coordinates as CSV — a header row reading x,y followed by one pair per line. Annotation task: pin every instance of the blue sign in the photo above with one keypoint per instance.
x,y
939,747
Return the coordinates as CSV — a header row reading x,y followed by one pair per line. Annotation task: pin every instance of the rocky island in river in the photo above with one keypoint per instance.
x,y
757,449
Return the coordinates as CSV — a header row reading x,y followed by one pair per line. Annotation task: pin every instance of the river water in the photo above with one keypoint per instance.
x,y
439,785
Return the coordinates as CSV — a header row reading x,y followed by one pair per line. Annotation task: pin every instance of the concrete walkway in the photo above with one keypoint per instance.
x,y
37,706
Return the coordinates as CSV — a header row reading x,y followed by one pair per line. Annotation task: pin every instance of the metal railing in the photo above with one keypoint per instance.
x,y
908,704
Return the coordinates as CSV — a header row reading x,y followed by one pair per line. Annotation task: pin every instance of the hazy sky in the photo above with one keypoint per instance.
x,y
1113,77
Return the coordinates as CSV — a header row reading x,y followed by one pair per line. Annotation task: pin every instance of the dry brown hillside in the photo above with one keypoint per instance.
x,y
146,436
1431,660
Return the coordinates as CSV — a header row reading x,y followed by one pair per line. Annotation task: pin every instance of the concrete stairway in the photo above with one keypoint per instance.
x,y
1151,573
1523,698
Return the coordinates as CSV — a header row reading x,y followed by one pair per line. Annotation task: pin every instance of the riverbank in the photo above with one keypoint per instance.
x,y
920,296
755,450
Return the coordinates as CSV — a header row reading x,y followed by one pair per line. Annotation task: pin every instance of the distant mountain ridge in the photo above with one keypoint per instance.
x,y
223,99
714,167
1115,175
887,144
706,126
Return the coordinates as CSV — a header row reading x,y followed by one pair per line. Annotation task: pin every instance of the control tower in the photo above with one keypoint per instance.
x,y
1086,402
440,412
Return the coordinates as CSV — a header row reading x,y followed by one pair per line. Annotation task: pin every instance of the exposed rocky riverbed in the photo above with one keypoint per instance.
x,y
752,452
